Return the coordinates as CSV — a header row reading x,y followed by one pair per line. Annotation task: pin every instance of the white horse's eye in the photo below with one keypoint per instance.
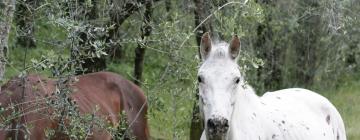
x,y
237,80
200,79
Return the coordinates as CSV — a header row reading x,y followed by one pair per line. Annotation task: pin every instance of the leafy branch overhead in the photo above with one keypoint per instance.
x,y
155,43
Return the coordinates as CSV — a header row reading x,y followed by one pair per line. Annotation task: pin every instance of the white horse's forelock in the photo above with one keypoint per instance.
x,y
220,50
219,53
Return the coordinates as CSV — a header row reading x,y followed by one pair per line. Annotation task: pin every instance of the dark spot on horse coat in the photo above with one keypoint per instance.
x,y
328,119
307,128
283,121
254,114
337,136
278,97
273,136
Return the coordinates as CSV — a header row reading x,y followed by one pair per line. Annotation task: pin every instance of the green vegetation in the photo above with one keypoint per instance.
x,y
161,116
288,43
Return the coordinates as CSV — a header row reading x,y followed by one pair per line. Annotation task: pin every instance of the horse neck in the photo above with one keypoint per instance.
x,y
246,109
246,101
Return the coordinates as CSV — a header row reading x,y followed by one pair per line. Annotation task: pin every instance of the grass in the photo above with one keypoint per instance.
x,y
346,100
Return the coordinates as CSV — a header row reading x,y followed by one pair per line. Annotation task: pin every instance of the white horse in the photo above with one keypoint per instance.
x,y
233,111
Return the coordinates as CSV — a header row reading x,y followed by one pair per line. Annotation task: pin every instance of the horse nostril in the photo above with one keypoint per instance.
x,y
226,123
211,123
218,125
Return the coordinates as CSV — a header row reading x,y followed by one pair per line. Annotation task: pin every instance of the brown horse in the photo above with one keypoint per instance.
x,y
108,92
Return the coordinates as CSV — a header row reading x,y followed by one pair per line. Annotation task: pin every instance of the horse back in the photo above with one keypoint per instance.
x,y
113,95
303,113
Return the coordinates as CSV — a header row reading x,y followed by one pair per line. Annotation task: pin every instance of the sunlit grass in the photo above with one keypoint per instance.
x,y
346,99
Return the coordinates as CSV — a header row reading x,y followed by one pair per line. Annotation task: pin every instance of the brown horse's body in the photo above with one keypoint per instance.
x,y
106,91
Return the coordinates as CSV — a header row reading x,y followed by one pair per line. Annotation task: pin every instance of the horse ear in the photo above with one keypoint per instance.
x,y
234,48
205,45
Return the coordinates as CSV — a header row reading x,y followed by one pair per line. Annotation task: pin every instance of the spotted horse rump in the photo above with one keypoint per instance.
x,y
231,110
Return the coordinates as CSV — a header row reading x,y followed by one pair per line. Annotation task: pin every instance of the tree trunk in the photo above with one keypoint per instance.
x,y
168,8
201,11
118,15
140,49
197,124
6,16
25,15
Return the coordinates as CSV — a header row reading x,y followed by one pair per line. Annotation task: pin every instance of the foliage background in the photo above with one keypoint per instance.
x,y
285,43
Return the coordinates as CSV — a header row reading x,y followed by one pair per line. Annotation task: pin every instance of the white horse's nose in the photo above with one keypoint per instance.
x,y
217,126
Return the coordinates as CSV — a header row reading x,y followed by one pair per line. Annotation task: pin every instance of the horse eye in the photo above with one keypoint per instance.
x,y
200,79
237,80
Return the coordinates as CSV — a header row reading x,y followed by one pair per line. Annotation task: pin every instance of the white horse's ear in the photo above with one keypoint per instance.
x,y
234,48
205,46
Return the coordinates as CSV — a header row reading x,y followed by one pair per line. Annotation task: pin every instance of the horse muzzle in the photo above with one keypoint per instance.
x,y
217,128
